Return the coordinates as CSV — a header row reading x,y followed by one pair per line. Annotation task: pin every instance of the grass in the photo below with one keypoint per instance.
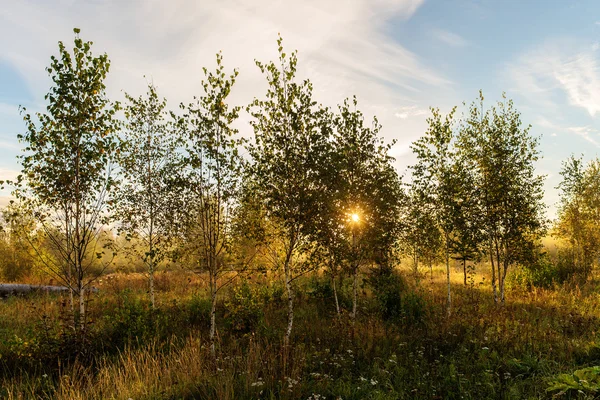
x,y
482,351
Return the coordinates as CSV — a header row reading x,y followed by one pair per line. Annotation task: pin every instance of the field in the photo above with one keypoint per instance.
x,y
401,347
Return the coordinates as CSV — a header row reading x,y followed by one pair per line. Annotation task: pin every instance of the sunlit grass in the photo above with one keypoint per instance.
x,y
482,350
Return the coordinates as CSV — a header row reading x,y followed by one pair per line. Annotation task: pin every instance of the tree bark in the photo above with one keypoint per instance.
x,y
82,308
71,292
290,290
494,291
290,293
213,307
416,266
503,281
499,272
335,296
431,270
449,309
354,292
151,279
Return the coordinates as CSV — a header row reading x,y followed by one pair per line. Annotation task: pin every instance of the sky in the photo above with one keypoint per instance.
x,y
399,57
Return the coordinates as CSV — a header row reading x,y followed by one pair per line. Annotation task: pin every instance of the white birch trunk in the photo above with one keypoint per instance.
x,y
335,296
449,309
354,293
213,307
494,290
82,308
290,293
151,282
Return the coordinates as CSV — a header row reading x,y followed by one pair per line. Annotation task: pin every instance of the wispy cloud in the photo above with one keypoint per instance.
x,y
8,109
4,144
409,111
587,133
345,48
560,68
546,123
450,38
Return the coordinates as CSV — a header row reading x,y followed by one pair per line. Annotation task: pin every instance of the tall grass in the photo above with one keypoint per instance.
x,y
483,351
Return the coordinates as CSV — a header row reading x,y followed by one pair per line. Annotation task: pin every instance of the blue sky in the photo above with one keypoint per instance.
x,y
398,56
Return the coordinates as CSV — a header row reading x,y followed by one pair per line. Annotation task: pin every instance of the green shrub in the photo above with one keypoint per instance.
x,y
414,307
131,321
546,271
387,286
271,293
14,263
542,273
245,308
320,288
199,310
585,382
393,301
568,269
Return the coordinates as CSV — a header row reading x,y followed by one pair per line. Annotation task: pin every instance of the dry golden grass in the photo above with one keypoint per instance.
x,y
482,350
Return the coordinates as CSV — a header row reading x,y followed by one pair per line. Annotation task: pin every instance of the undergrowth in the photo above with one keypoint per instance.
x,y
542,343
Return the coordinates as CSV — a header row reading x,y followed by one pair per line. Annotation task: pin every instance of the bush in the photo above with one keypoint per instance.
x,y
199,310
270,293
541,273
584,382
394,302
568,269
319,288
546,271
15,264
387,289
131,321
244,308
414,308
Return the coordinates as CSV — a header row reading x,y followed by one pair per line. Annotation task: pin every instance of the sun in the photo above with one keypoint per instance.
x,y
355,217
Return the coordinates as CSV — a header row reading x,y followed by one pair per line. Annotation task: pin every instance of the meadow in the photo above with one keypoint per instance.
x,y
251,250
542,343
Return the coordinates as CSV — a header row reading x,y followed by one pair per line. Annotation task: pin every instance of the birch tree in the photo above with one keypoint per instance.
x,y
433,179
503,155
211,184
420,237
368,189
466,241
144,201
361,209
67,166
579,211
290,138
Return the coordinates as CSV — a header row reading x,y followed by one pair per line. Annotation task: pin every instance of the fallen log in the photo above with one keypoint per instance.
x,y
11,289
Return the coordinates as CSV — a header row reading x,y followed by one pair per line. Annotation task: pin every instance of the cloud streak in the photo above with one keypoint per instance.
x,y
8,109
409,111
450,38
344,47
586,133
560,68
